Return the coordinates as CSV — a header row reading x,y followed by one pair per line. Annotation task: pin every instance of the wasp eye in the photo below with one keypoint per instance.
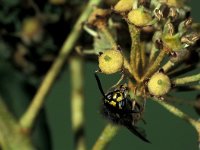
x,y
109,96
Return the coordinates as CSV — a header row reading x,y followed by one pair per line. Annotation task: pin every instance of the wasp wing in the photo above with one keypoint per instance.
x,y
138,132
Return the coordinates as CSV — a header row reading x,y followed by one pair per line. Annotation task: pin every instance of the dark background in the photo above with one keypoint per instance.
x,y
164,130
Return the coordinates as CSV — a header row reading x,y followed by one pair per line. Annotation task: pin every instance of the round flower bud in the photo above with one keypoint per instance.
x,y
31,30
111,61
123,6
139,17
159,84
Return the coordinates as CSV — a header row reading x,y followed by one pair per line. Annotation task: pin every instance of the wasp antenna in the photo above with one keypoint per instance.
x,y
99,84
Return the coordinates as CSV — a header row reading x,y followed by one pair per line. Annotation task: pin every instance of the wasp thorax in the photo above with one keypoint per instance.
x,y
159,84
111,61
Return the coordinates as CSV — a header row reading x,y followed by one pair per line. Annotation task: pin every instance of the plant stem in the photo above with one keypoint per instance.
x,y
185,80
143,56
155,65
77,102
135,46
180,114
187,88
109,36
29,116
152,53
11,135
176,100
106,136
168,66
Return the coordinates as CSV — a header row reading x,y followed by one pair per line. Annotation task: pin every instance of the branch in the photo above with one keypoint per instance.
x,y
168,66
135,47
109,36
11,135
29,116
185,80
106,136
155,65
77,102
182,115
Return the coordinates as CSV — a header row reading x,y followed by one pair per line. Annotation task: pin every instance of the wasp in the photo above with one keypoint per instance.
x,y
119,108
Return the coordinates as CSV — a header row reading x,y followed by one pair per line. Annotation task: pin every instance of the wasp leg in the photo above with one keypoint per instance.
x,y
90,31
119,81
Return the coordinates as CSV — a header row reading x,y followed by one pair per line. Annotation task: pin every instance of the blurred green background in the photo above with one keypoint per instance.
x,y
54,131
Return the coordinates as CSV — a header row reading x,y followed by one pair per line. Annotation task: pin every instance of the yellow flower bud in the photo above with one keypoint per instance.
x,y
111,61
31,29
159,84
139,17
123,5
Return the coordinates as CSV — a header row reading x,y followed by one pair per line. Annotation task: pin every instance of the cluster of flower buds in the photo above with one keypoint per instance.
x,y
166,23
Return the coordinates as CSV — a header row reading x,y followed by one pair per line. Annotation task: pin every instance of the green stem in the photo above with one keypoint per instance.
x,y
155,66
152,53
143,55
106,136
109,36
186,88
77,102
185,80
176,100
29,116
135,46
168,66
11,135
180,114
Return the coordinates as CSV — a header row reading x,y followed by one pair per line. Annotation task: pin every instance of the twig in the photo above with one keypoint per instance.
x,y
167,66
187,88
109,36
106,136
135,46
127,65
11,135
180,70
138,59
153,52
155,65
77,102
29,116
185,80
182,115
176,100
143,56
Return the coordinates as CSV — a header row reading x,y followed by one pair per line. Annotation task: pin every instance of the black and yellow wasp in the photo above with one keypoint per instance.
x,y
120,109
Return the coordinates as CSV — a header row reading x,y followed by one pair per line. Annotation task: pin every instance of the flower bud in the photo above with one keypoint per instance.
x,y
111,61
31,30
123,6
139,17
159,84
